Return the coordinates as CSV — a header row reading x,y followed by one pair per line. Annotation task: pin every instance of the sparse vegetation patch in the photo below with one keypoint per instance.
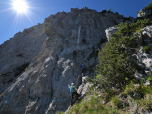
x,y
20,69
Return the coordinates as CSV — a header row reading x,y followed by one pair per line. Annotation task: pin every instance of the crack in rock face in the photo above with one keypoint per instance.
x,y
43,86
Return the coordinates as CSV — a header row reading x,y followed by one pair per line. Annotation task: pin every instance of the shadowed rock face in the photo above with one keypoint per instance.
x,y
47,48
144,12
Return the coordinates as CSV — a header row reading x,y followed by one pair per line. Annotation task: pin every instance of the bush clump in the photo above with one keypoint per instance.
x,y
114,65
146,49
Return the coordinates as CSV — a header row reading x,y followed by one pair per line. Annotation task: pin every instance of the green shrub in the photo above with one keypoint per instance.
x,y
60,112
129,88
149,6
137,12
25,69
89,79
149,78
127,29
98,77
92,106
146,49
2,94
109,10
109,94
140,89
116,102
113,64
4,74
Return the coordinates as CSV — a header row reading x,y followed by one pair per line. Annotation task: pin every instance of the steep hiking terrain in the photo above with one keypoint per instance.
x,y
37,65
123,81
126,86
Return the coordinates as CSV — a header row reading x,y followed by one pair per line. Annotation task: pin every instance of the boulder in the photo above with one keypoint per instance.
x,y
110,31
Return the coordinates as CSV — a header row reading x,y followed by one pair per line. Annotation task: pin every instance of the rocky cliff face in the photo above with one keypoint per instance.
x,y
37,65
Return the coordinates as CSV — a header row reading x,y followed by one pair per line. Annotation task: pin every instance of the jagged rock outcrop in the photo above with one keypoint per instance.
x,y
144,12
46,49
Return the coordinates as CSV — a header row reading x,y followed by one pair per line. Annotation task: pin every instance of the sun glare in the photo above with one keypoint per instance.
x,y
20,6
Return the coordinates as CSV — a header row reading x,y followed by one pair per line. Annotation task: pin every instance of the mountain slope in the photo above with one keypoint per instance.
x,y
37,65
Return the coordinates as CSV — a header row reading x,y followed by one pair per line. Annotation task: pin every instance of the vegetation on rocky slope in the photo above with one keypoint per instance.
x,y
115,90
114,101
115,66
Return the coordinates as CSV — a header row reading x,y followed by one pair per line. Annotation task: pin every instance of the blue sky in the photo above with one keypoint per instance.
x,y
11,22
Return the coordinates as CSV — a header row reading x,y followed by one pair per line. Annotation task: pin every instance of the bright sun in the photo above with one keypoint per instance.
x,y
20,6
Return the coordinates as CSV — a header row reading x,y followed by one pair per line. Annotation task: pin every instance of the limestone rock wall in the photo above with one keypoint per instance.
x,y
44,86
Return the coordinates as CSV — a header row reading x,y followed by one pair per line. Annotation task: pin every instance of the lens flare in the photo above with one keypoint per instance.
x,y
20,6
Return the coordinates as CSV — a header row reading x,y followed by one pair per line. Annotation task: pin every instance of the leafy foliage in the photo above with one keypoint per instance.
x,y
127,29
115,101
149,78
146,49
113,64
98,77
